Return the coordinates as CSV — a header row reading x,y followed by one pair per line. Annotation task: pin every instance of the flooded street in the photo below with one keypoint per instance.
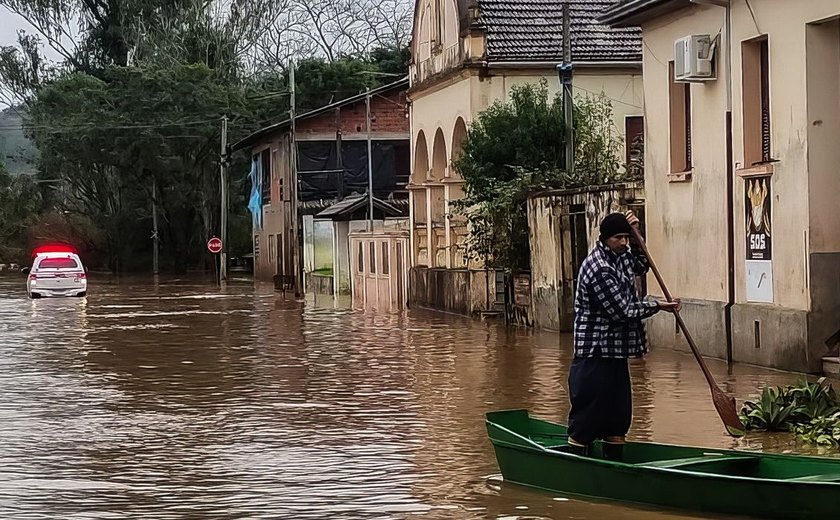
x,y
180,400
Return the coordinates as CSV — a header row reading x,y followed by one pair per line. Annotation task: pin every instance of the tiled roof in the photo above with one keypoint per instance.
x,y
532,30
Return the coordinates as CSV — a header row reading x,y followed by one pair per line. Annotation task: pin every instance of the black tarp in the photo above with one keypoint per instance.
x,y
321,176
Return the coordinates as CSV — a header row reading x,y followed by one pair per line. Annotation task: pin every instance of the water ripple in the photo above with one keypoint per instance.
x,y
179,400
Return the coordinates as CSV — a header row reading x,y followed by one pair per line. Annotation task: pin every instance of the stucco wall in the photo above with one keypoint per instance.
x,y
469,94
549,225
687,220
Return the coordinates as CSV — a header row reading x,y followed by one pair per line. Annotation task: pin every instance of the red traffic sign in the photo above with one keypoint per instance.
x,y
214,245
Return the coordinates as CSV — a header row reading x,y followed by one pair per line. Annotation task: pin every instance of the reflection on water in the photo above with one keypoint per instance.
x,y
179,400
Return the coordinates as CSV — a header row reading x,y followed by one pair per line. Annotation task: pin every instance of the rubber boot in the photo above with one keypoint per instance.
x,y
576,448
613,451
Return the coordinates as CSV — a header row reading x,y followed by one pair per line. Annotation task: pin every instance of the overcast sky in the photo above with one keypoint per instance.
x,y
10,24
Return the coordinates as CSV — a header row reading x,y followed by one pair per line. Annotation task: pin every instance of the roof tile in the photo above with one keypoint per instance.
x,y
532,30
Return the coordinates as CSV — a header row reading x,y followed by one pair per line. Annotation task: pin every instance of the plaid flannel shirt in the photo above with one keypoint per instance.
x,y
608,312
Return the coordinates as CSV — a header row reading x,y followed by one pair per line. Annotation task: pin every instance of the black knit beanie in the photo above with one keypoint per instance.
x,y
612,225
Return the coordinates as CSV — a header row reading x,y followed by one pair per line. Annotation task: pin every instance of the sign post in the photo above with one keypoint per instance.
x,y
214,245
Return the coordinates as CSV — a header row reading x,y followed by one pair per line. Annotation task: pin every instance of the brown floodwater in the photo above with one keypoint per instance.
x,y
182,400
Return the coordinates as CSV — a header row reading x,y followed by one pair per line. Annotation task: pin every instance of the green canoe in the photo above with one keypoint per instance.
x,y
531,452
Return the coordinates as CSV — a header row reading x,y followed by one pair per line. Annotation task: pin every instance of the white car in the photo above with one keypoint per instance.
x,y
56,274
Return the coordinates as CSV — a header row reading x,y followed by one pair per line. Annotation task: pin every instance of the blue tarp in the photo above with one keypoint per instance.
x,y
255,202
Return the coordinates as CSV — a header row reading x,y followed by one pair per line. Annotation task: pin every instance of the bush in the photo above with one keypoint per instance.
x,y
810,410
518,147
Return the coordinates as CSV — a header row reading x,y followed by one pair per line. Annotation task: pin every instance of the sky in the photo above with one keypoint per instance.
x,y
10,24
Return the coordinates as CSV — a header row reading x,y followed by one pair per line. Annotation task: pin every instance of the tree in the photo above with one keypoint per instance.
x,y
517,147
137,101
20,202
110,140
333,29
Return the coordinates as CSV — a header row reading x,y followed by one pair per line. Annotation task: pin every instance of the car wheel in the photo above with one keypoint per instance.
x,y
82,294
34,296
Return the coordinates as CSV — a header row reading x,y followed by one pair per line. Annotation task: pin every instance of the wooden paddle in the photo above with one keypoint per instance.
x,y
724,404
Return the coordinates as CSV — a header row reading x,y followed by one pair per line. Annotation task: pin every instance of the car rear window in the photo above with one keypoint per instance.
x,y
58,263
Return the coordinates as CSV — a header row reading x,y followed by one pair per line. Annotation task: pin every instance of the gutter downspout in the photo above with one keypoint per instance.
x,y
730,174
730,188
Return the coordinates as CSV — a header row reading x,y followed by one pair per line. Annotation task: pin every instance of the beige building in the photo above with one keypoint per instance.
x,y
745,239
466,54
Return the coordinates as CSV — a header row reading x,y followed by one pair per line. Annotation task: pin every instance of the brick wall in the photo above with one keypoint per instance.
x,y
387,117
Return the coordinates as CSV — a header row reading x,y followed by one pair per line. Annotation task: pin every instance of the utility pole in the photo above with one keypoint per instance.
x,y
224,203
155,235
370,160
565,72
295,242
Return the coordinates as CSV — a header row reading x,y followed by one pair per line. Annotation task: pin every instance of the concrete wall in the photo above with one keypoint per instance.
x,y
466,95
461,291
624,87
320,284
434,27
549,224
823,84
439,111
687,219
690,214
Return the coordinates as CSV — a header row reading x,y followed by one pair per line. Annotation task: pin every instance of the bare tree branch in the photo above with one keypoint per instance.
x,y
332,29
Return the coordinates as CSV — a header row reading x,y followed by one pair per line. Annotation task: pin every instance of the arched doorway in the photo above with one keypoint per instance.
x,y
458,136
417,187
457,234
421,160
437,197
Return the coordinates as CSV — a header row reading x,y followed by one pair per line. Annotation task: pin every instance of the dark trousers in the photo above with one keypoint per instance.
x,y
602,402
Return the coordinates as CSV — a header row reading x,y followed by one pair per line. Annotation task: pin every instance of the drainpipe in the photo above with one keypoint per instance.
x,y
730,174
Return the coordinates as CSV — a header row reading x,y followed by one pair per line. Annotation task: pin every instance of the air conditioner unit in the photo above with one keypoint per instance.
x,y
693,59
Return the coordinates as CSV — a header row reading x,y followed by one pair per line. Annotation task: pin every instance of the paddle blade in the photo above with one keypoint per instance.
x,y
725,407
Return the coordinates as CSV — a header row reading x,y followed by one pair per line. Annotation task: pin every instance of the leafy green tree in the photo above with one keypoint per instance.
x,y
137,102
517,147
20,202
111,140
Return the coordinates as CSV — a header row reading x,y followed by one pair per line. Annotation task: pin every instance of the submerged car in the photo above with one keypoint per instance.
x,y
56,274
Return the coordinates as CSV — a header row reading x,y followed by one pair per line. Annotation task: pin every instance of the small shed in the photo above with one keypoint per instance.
x,y
326,251
379,263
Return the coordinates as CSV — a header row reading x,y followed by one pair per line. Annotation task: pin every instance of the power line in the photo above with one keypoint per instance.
x,y
752,13
608,97
653,53
108,127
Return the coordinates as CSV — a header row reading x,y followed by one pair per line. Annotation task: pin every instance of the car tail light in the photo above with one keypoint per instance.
x,y
33,276
82,276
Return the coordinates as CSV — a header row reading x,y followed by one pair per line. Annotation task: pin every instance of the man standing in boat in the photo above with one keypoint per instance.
x,y
608,331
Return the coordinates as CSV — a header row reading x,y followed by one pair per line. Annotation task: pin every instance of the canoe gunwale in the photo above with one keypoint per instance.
x,y
528,445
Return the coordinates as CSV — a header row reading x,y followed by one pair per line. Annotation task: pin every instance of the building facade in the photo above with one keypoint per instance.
x,y
741,226
331,166
467,54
